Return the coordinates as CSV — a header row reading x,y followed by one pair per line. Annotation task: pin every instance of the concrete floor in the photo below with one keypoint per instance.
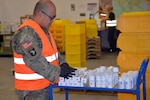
x,y
7,91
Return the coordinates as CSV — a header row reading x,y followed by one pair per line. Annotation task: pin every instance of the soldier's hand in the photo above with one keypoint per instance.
x,y
64,73
67,71
67,67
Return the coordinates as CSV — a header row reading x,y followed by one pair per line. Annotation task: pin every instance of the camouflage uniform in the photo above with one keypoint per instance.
x,y
33,59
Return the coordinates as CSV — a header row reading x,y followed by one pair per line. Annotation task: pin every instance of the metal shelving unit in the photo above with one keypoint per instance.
x,y
5,45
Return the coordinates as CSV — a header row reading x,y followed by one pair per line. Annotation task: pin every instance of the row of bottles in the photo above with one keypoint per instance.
x,y
102,77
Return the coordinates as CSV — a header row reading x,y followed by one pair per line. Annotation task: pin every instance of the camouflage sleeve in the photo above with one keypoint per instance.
x,y
27,43
61,59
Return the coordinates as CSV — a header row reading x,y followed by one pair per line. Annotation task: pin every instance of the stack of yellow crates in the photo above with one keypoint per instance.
x,y
57,29
91,27
134,42
75,45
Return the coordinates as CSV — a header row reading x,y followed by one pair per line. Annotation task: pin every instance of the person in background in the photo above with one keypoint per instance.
x,y
111,29
37,62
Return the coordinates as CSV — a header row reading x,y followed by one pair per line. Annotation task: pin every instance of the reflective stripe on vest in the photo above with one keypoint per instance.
x,y
104,15
34,76
49,59
111,23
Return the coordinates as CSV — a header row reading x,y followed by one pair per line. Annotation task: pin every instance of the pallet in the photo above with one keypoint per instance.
x,y
93,55
93,49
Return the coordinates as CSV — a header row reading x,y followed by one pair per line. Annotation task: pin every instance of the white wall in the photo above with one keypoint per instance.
x,y
64,9
0,11
11,10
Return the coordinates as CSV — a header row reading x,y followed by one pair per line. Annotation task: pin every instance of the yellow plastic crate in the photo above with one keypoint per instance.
x,y
52,31
136,13
69,47
127,24
91,33
144,23
58,27
61,47
134,42
78,64
75,38
57,21
74,29
131,60
75,56
130,96
52,27
59,35
89,21
59,31
134,22
91,26
59,41
61,21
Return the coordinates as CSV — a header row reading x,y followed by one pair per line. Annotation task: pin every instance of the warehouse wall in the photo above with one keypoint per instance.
x,y
0,11
11,10
64,9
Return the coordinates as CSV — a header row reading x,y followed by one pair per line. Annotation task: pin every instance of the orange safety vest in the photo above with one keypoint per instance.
x,y
26,78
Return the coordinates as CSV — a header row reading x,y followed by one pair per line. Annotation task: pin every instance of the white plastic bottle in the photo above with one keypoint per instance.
x,y
110,81
102,68
115,72
128,82
92,80
98,80
121,83
103,80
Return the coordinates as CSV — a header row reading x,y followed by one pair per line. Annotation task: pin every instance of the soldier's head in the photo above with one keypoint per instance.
x,y
109,8
44,13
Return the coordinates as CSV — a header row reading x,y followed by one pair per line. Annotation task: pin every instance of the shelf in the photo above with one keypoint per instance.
x,y
5,53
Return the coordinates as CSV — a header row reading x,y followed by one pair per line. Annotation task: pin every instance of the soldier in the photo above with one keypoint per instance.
x,y
37,62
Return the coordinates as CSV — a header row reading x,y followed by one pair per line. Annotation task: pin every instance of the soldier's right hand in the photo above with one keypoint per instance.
x,y
65,73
